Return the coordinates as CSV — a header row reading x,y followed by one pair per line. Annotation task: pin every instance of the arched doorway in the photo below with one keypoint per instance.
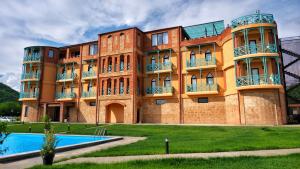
x,y
114,113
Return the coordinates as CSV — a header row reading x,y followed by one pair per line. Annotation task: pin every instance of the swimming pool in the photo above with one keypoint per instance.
x,y
22,144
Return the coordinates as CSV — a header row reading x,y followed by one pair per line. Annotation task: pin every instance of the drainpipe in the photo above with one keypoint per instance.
x,y
181,120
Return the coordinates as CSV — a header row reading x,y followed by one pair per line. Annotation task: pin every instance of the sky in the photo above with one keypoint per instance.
x,y
62,22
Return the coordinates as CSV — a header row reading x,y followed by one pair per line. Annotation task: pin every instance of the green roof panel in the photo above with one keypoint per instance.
x,y
204,30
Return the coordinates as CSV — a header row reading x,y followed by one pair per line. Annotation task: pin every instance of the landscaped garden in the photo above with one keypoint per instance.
x,y
183,139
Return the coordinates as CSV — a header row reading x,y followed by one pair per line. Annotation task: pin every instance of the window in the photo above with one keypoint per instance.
x,y
93,49
203,100
194,83
92,103
75,54
90,67
165,38
154,40
153,60
208,55
209,79
167,82
50,53
159,39
166,59
192,59
153,83
121,86
160,101
26,111
90,86
72,88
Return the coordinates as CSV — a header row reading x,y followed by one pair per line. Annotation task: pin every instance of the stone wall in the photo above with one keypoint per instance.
x,y
87,113
32,111
212,112
164,113
232,109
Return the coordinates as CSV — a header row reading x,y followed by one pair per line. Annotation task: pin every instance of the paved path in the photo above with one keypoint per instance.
x,y
26,163
261,153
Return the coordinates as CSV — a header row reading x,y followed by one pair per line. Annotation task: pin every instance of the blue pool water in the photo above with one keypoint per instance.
x,y
23,142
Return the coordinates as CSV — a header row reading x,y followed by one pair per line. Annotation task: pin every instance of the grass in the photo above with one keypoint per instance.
x,y
184,139
278,162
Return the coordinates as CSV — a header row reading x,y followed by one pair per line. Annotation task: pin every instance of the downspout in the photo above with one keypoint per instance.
x,y
40,86
97,85
181,120
134,74
79,84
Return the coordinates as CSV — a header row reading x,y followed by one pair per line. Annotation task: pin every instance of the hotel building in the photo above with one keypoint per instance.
x,y
199,74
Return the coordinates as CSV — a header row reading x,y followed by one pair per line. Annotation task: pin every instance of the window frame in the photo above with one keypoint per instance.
x,y
52,53
161,38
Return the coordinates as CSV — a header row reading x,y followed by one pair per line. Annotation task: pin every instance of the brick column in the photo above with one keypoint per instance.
x,y
118,63
118,86
61,112
105,87
113,64
125,63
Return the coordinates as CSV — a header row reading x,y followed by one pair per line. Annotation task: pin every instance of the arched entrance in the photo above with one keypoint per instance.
x,y
114,113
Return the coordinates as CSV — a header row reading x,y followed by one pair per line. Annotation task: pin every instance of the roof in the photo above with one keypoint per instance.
x,y
204,30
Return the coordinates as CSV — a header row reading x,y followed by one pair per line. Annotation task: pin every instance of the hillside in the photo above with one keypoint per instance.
x,y
7,93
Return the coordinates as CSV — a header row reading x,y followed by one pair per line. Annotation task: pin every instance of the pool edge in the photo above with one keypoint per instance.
x,y
21,156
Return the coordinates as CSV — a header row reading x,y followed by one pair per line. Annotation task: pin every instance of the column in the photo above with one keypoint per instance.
x,y
113,64
118,63
45,109
105,87
125,63
118,86
125,85
61,112
262,37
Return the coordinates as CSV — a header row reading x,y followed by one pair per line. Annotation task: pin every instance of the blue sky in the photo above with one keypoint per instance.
x,y
58,22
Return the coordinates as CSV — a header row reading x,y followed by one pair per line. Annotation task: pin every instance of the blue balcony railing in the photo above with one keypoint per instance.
x,y
30,75
159,90
252,49
86,94
29,95
201,88
35,57
258,80
201,62
251,19
65,95
87,74
158,66
66,76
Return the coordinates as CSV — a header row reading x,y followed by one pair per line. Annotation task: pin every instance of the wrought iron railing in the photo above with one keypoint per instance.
x,y
258,80
252,49
35,57
87,74
65,95
66,76
90,93
201,88
251,19
30,75
159,90
29,95
158,66
200,62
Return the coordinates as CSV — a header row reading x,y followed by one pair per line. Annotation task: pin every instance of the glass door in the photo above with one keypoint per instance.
x,y
255,76
252,46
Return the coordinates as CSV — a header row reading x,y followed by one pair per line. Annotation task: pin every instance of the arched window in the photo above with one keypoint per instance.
x,y
109,43
128,62
153,60
90,67
153,83
208,55
109,87
109,64
209,79
194,83
122,63
122,40
192,59
90,86
166,59
121,86
167,82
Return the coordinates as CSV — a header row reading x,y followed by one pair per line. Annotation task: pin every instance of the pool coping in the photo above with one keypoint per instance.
x,y
30,154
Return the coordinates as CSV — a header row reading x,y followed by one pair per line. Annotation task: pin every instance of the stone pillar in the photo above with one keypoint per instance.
x,y
61,112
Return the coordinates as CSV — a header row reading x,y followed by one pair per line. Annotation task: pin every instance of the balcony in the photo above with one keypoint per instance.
x,y
159,68
65,96
252,19
201,63
89,75
159,91
28,96
202,89
254,49
33,58
258,81
31,76
63,77
88,95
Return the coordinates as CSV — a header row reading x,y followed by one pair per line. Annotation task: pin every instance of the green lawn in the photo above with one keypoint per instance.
x,y
279,162
185,139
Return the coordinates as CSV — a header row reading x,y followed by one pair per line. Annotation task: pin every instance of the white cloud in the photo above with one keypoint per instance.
x,y
23,23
